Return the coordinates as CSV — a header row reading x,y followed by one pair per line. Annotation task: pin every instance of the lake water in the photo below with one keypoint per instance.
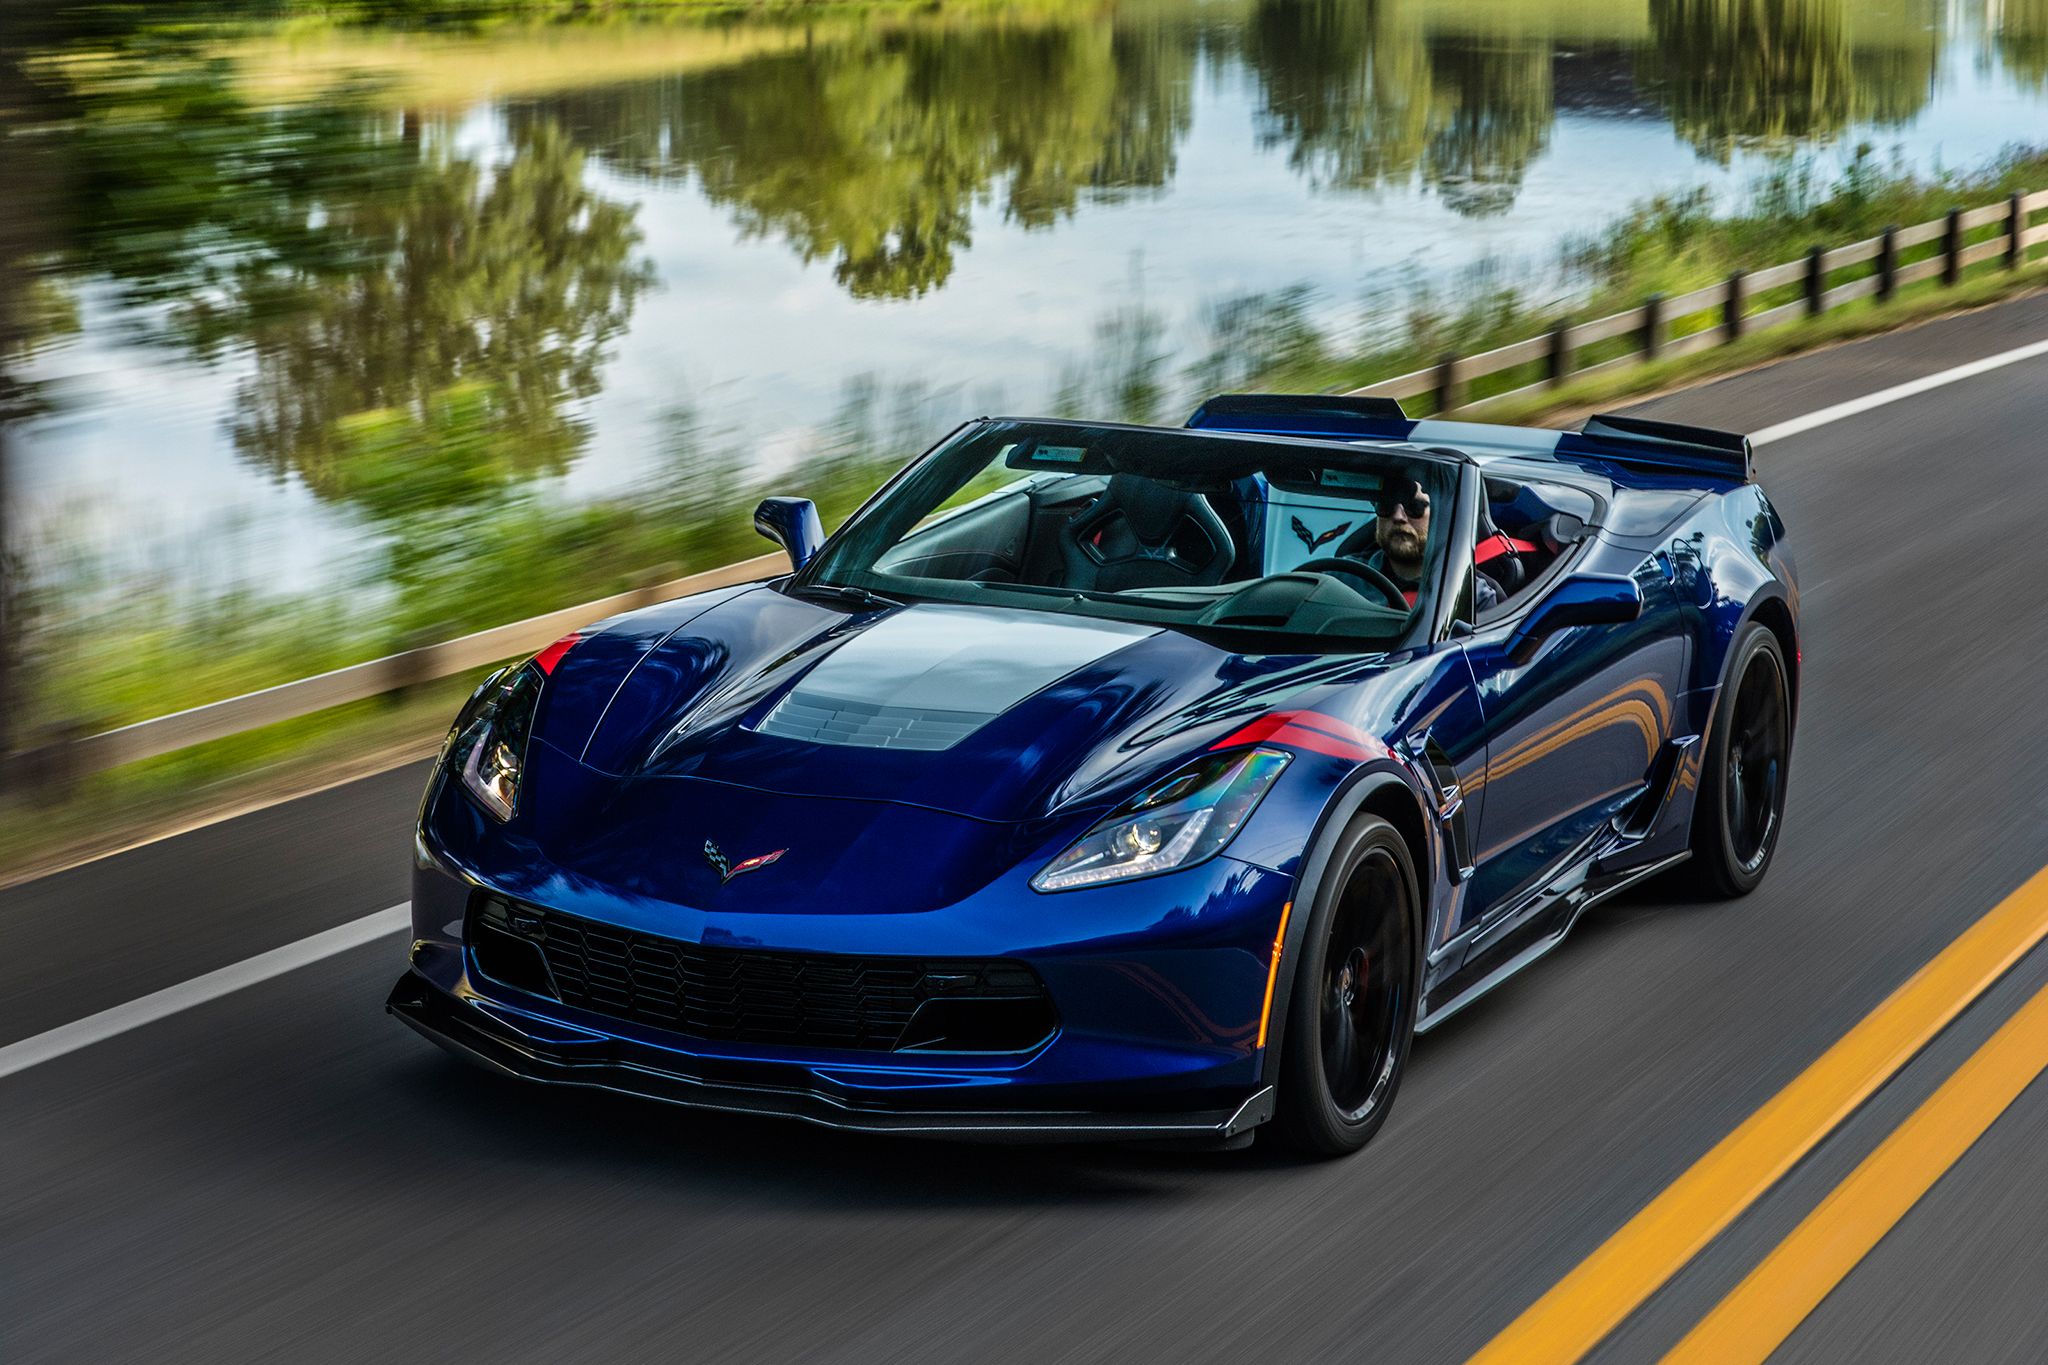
x,y
618,234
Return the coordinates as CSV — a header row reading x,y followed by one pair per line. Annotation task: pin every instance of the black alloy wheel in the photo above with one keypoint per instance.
x,y
1351,1015
1758,746
1742,790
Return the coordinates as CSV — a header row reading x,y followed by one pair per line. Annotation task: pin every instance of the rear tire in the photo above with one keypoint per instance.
x,y
1740,809
1351,1013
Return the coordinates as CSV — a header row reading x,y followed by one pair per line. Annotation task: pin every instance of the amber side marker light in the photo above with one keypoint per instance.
x,y
1273,972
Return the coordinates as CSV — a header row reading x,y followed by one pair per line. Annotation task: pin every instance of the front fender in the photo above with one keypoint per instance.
x,y
1380,784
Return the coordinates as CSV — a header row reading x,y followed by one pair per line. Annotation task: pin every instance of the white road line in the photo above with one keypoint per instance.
x,y
200,989
1894,394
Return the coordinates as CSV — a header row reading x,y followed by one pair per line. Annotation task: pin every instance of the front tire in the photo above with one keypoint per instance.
x,y
1740,807
1351,1013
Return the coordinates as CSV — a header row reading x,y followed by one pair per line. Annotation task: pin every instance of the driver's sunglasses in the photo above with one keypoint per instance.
x,y
1417,507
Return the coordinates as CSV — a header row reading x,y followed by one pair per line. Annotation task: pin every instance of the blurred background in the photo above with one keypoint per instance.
x,y
331,329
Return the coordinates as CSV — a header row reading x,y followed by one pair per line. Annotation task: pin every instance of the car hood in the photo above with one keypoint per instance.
x,y
988,712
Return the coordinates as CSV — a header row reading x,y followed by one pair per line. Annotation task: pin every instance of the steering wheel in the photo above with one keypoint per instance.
x,y
1396,595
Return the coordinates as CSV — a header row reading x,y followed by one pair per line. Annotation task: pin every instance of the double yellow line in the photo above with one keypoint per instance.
x,y
1592,1301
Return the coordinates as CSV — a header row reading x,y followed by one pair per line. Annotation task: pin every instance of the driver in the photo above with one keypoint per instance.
x,y
1401,529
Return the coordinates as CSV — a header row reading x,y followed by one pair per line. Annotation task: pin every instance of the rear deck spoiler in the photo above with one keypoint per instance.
x,y
1662,445
1635,441
1305,414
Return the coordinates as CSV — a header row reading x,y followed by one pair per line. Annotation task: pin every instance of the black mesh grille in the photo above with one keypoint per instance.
x,y
739,995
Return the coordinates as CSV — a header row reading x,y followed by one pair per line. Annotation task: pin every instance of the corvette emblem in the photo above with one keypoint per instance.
x,y
727,869
1317,542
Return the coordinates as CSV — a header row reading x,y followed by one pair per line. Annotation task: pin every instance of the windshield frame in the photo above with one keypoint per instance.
x,y
1426,623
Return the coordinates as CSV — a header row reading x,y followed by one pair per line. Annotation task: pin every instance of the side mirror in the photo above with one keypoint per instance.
x,y
1585,599
793,524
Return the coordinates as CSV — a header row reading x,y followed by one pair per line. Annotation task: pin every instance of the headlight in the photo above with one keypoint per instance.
x,y
491,736
1176,823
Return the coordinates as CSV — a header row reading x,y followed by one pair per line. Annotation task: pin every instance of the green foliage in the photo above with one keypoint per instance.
x,y
1254,338
1677,242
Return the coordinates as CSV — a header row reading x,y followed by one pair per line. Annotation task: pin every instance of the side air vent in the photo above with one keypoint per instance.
x,y
1450,807
1639,817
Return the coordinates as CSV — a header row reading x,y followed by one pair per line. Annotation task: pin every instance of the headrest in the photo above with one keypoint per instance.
x,y
1153,510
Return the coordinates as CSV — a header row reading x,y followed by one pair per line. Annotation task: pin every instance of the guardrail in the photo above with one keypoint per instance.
x,y
1658,328
1741,305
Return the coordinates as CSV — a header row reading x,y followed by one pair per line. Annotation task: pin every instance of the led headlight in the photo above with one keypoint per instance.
x,y
1174,824
491,736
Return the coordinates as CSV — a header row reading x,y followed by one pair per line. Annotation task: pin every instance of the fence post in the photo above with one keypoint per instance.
x,y
1952,248
1887,262
1816,279
1449,389
1560,353
1653,326
1732,306
2015,230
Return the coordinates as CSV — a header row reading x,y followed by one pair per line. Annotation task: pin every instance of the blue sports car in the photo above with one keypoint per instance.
x,y
1105,781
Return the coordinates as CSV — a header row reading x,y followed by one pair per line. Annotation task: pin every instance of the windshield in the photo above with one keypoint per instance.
x,y
1300,545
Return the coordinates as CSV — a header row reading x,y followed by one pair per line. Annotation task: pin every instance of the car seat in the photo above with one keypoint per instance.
x,y
1142,534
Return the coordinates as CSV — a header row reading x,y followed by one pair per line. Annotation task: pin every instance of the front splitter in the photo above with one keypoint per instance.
x,y
477,1037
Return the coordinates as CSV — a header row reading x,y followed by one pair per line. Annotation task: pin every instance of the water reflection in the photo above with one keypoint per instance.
x,y
1346,85
2021,37
1498,116
509,280
1736,73
873,153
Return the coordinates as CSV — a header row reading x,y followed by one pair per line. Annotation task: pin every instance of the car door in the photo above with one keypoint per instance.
x,y
1575,730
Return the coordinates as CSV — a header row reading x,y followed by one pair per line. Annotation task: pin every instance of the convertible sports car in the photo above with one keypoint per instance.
x,y
1103,781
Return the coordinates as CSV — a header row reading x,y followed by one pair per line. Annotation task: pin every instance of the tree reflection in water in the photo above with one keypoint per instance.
x,y
509,280
1362,96
872,153
1346,85
1774,73
2021,35
1497,114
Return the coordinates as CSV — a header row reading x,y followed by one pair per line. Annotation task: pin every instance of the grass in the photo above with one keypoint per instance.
x,y
59,824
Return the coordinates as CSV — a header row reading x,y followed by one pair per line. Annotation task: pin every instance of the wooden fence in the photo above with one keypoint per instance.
x,y
1657,329
1660,328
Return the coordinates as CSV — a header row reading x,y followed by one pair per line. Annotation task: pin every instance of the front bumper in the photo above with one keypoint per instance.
x,y
529,1048
1157,986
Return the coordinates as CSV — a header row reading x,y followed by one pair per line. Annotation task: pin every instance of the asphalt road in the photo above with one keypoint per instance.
x,y
287,1173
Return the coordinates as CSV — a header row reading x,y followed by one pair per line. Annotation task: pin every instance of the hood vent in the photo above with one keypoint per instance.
x,y
928,676
815,719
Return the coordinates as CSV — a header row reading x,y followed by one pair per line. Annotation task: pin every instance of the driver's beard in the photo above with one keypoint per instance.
x,y
1402,563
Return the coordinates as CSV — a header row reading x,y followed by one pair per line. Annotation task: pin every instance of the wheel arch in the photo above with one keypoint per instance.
x,y
1393,796
1773,612
1770,607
